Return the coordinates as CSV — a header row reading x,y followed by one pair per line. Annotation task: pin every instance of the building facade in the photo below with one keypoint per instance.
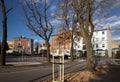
x,y
101,43
57,48
23,45
115,47
42,48
10,45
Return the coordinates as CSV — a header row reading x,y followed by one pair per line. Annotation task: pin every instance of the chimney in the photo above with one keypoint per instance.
x,y
108,27
21,36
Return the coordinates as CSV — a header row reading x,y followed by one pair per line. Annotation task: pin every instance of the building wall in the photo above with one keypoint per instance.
x,y
99,39
64,45
109,39
42,48
78,44
115,46
101,42
10,44
22,44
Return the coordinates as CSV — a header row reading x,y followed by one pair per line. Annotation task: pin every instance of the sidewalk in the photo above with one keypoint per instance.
x,y
13,63
23,63
26,60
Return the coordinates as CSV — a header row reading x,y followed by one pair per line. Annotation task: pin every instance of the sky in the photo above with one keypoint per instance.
x,y
16,22
17,27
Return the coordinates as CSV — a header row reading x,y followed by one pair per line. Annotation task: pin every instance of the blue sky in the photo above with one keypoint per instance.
x,y
16,22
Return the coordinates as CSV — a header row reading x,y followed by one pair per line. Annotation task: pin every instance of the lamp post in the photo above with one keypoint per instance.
x,y
19,50
22,53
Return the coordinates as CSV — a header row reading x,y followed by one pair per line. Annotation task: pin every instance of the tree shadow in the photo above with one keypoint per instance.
x,y
110,76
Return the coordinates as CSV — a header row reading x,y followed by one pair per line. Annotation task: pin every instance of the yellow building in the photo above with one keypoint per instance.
x,y
115,46
10,44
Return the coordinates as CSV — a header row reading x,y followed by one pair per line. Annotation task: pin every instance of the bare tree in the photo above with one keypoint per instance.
x,y
62,38
85,10
0,47
38,18
68,18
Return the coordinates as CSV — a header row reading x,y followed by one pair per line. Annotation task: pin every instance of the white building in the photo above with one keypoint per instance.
x,y
42,48
101,41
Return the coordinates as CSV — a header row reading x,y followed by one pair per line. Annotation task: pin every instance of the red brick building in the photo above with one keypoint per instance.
x,y
23,44
60,41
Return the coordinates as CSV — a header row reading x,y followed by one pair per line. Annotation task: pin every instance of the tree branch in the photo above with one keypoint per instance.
x,y
87,15
9,10
0,4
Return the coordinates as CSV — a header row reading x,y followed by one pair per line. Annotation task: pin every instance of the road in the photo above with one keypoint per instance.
x,y
37,74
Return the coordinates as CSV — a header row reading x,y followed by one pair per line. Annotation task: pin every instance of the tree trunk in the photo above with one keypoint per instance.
x,y
4,35
71,49
90,53
48,50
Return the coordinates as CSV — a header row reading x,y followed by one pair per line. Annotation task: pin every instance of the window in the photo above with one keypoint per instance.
x,y
84,47
93,39
96,45
28,44
96,39
103,38
78,39
55,51
96,33
93,45
67,51
60,51
19,43
103,45
103,32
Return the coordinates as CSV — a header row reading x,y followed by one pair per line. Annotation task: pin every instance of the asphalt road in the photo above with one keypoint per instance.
x,y
38,74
